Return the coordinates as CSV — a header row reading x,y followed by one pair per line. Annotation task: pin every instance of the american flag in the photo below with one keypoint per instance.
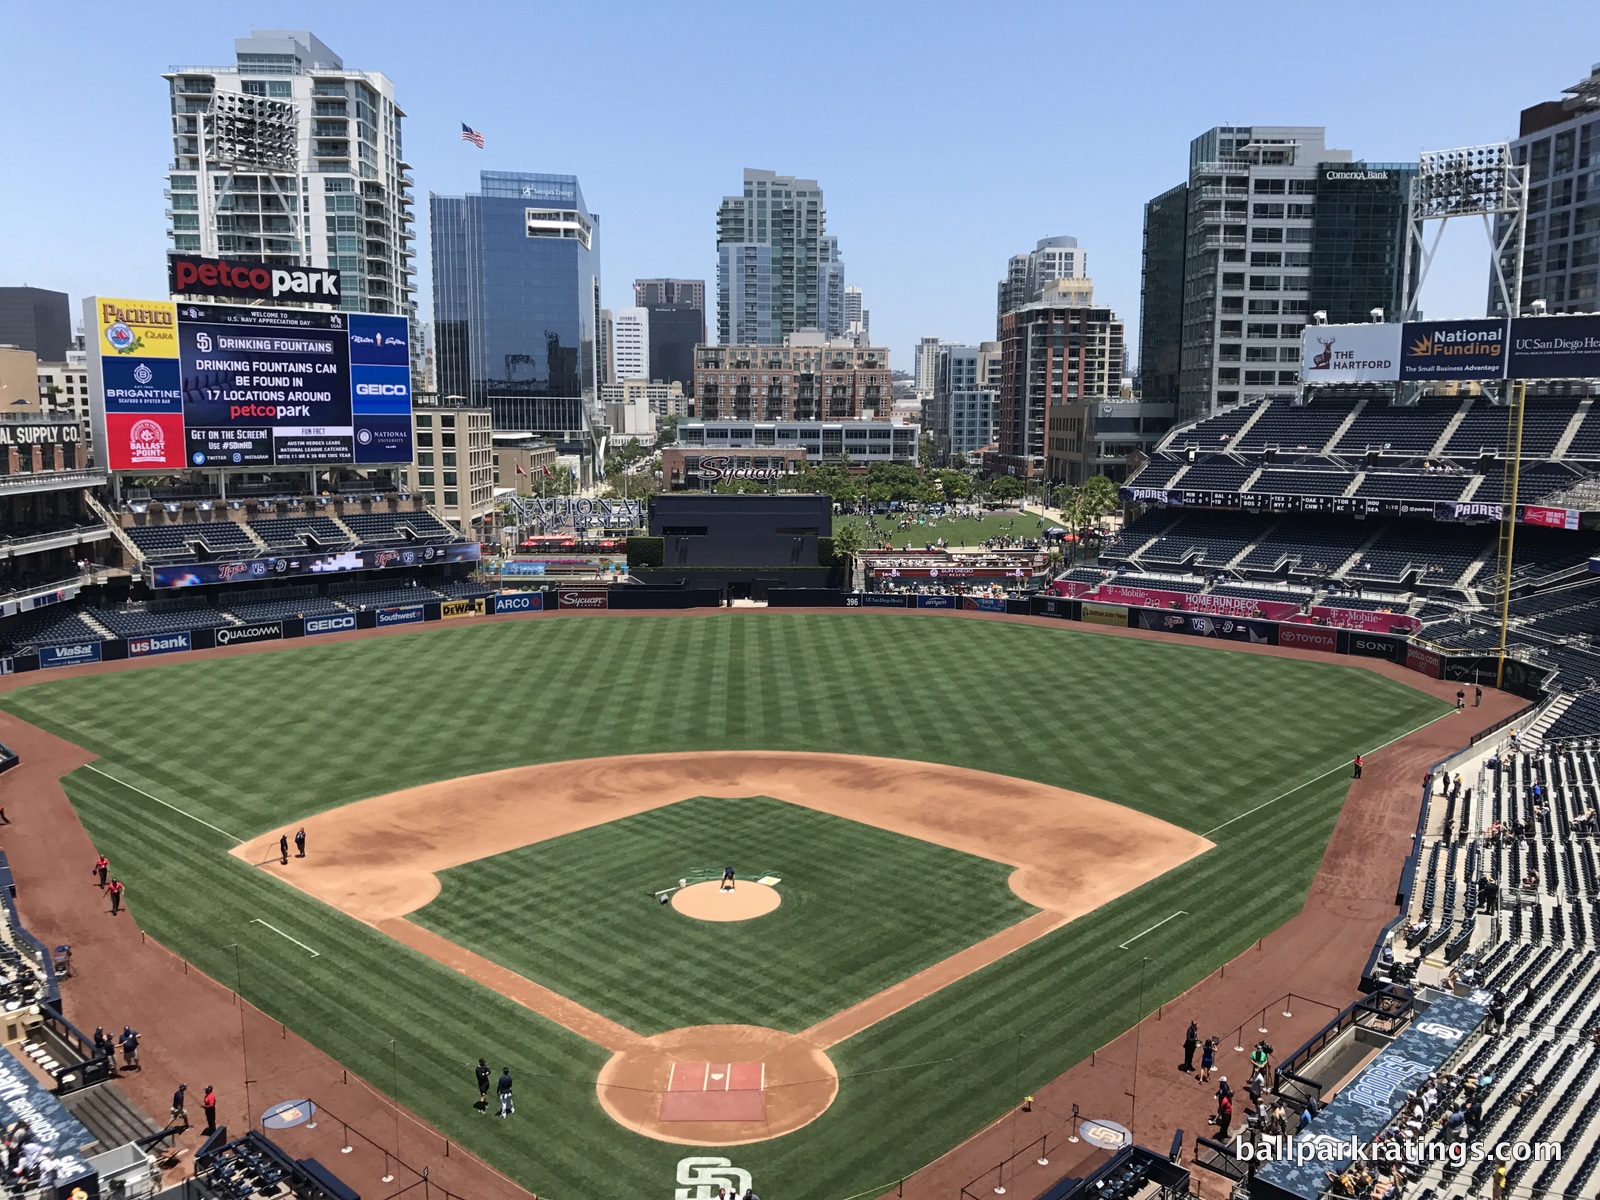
x,y
469,134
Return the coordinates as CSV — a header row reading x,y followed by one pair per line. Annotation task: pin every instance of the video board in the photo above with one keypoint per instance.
x,y
178,385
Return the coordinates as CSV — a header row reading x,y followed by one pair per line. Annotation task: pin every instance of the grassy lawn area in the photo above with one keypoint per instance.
x,y
958,531
1193,734
575,914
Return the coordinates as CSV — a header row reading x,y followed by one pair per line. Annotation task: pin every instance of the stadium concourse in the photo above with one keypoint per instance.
x,y
192,1024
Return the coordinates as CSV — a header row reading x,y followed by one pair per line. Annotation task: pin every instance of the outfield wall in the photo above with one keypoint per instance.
x,y
1426,658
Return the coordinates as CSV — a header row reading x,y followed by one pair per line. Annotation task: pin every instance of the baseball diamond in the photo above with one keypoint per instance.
x,y
968,823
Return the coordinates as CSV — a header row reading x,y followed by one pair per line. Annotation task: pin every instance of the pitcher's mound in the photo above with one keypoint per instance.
x,y
709,902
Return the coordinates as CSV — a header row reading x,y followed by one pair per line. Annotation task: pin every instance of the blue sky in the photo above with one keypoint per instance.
x,y
946,137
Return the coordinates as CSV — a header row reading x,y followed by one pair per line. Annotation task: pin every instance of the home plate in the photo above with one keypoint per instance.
x,y
704,1091
770,880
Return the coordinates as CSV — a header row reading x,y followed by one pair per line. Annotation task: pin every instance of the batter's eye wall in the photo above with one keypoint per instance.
x,y
700,530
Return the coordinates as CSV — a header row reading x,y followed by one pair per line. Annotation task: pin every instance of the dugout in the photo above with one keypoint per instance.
x,y
743,545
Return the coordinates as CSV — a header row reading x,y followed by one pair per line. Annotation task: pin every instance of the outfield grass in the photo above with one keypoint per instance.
x,y
1193,734
653,969
958,531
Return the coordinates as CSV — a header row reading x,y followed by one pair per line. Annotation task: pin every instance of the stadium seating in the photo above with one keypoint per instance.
x,y
383,595
1258,592
420,525
142,621
1438,555
1290,426
290,532
1170,583
1158,472
1203,540
1120,546
1414,485
308,604
163,541
1217,474
1291,482
1391,429
1214,433
1309,546
462,589
48,627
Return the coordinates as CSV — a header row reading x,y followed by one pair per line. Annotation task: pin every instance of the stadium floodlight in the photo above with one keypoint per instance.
x,y
1471,181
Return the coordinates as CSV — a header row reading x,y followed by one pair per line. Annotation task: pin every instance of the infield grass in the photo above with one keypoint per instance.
x,y
651,968
1193,734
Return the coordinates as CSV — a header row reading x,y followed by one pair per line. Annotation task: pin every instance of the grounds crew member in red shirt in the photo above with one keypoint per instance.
x,y
1358,765
114,890
102,868
209,1103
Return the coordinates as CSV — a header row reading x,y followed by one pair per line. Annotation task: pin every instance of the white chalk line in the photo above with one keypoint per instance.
x,y
282,934
163,803
1318,778
1157,925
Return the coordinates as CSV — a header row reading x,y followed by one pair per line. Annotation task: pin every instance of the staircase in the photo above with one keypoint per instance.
x,y
115,1120
1472,487
1346,566
1354,484
1571,431
1344,426
1249,421
1437,451
1534,734
111,522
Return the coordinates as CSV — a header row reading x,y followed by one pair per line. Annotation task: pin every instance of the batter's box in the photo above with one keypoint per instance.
x,y
706,1091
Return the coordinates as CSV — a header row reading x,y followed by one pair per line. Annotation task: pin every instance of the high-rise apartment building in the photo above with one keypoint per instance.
x,y
677,325
516,302
38,320
1050,356
1166,221
1228,291
960,412
288,157
770,273
630,356
830,288
809,377
607,339
925,368
1027,275
1559,142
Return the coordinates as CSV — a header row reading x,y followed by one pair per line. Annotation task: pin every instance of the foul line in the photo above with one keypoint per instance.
x,y
282,934
1324,775
163,803
1157,925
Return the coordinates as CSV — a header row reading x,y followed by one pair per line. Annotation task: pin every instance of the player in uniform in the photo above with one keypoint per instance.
x,y
727,879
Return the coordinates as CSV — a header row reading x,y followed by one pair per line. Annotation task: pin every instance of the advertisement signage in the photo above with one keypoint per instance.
x,y
190,275
217,385
240,635
1104,614
160,643
1137,597
1339,353
399,616
254,570
1260,633
335,624
572,599
1453,349
1372,645
24,434
1425,661
1239,606
1549,518
883,600
69,656
936,601
1305,637
518,602
984,603
451,609
1555,348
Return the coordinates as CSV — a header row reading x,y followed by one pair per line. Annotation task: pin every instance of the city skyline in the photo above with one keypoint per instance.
x,y
1391,102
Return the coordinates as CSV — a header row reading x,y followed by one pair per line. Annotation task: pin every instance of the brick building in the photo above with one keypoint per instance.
x,y
808,378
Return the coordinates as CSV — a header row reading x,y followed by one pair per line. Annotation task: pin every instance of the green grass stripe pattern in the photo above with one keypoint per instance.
x,y
1190,733
862,908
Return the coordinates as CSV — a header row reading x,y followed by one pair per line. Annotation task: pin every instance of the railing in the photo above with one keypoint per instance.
x,y
91,1067
1387,1004
24,480
69,531
38,589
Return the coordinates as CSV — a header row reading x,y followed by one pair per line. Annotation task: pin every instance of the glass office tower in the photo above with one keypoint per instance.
x,y
1358,240
516,301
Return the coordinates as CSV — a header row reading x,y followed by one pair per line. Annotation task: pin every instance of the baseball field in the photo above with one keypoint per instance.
x,y
962,824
